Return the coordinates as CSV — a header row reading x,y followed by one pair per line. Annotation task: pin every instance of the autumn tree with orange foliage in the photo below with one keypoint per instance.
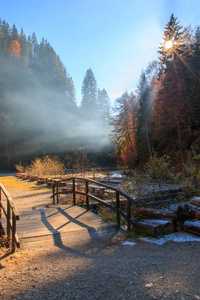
x,y
124,128
172,105
172,127
14,48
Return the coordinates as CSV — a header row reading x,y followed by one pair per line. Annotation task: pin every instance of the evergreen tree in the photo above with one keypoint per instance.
x,y
14,33
104,105
174,42
34,88
172,106
193,84
24,48
89,105
143,119
5,37
34,45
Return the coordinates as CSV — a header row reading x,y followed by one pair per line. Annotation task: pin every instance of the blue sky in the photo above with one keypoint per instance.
x,y
115,38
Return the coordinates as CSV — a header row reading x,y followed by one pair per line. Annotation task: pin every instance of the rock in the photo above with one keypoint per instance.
x,y
148,285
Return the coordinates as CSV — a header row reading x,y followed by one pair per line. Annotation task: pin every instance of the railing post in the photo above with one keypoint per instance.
x,y
117,209
74,192
87,197
13,231
128,214
8,218
53,193
0,204
57,185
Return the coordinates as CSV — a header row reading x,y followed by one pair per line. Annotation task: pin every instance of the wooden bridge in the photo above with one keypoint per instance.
x,y
55,223
11,215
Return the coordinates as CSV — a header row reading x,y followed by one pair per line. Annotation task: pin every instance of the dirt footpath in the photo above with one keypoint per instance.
x,y
103,270
100,269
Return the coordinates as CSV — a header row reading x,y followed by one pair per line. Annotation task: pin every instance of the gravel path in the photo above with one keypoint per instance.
x,y
99,269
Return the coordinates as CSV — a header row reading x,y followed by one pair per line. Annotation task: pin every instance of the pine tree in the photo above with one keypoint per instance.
x,y
5,36
24,48
193,84
172,107
174,42
143,119
172,114
104,105
89,105
14,33
34,45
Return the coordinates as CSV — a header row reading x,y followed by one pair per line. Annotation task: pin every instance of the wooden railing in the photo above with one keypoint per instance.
x,y
11,216
114,204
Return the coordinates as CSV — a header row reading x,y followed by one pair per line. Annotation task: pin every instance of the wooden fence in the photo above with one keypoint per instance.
x,y
85,183
11,216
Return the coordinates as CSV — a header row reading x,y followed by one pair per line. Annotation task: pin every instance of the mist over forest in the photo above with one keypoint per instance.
x,y
39,113
38,110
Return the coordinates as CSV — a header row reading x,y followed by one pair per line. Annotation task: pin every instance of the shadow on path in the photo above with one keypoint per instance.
x,y
104,231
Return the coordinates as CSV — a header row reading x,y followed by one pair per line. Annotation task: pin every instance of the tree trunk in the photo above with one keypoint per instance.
x,y
143,212
167,226
195,201
148,141
192,227
150,229
191,211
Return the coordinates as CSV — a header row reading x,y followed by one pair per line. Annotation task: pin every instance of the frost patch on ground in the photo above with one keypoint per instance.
x,y
179,237
116,174
127,243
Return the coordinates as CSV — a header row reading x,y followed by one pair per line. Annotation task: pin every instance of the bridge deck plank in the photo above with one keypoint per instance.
x,y
45,222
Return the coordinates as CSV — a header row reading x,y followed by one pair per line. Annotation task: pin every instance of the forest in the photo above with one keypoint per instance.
x,y
163,115
38,110
39,113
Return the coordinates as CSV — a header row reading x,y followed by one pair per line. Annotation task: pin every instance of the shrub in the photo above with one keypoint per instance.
x,y
189,177
80,161
19,167
136,186
46,166
158,168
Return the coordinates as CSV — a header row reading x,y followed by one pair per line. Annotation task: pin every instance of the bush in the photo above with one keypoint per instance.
x,y
189,177
20,168
136,186
80,160
46,166
158,168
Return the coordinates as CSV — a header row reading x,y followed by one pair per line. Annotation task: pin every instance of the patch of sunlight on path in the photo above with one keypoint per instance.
x,y
13,183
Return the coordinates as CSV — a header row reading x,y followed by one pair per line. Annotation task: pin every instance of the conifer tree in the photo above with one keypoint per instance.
x,y
14,33
34,45
5,37
24,48
172,107
89,105
104,105
143,119
174,42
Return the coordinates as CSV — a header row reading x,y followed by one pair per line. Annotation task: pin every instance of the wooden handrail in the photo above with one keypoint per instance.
x,y
119,212
11,215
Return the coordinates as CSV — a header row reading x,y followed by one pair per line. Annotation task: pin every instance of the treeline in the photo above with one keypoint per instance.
x,y
164,113
38,109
